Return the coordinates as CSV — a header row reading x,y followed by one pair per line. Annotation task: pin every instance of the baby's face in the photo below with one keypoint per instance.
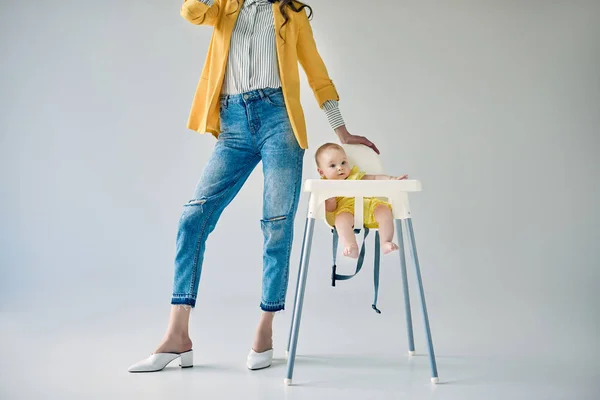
x,y
333,164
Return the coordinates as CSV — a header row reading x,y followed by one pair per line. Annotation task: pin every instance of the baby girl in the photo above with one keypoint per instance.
x,y
332,163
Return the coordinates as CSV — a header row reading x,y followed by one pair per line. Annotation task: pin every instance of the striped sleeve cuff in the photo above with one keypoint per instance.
x,y
207,2
332,110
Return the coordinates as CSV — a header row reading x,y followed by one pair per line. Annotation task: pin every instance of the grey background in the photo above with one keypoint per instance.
x,y
493,105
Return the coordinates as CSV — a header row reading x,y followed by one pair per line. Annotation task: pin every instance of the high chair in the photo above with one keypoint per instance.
x,y
396,193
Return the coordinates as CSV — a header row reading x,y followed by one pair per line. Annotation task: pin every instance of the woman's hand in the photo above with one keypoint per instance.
x,y
398,178
348,138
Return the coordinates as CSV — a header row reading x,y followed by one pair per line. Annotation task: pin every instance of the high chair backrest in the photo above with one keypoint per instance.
x,y
364,157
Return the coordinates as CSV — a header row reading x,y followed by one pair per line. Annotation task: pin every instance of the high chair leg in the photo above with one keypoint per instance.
x,y
434,372
304,259
287,349
409,324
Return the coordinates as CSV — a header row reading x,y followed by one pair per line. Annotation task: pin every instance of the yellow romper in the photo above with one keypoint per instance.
x,y
346,204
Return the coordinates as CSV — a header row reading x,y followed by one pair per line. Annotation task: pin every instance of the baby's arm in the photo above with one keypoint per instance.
x,y
384,177
330,204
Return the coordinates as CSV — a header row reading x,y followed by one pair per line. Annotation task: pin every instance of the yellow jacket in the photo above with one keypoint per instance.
x,y
299,45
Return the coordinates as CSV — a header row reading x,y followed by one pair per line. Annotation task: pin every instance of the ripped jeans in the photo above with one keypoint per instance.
x,y
254,127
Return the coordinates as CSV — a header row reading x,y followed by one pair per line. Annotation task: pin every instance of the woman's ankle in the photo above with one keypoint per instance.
x,y
263,341
174,344
177,337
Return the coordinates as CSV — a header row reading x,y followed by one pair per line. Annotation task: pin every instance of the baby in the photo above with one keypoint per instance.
x,y
332,163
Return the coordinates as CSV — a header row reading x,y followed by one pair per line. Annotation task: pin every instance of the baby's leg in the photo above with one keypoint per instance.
x,y
383,216
344,224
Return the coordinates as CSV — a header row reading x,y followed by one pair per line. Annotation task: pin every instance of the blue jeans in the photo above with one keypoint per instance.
x,y
254,127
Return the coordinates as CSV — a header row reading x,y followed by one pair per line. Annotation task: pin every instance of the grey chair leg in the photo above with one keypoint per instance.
x,y
434,372
409,324
287,349
295,329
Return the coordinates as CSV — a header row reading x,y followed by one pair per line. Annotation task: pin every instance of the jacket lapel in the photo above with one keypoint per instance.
x,y
278,24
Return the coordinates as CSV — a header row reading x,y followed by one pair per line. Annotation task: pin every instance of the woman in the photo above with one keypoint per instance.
x,y
248,97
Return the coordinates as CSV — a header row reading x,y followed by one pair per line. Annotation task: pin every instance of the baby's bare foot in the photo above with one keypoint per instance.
x,y
388,247
351,251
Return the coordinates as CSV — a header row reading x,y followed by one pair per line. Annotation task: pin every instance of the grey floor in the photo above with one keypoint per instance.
x,y
346,354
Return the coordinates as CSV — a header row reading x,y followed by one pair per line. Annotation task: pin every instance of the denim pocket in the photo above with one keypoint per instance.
x,y
275,99
223,103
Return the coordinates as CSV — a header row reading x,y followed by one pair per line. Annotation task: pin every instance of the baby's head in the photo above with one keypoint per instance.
x,y
332,162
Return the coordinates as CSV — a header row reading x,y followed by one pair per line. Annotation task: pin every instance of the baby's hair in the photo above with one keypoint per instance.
x,y
326,147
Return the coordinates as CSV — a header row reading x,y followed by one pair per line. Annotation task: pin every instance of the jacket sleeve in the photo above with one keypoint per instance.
x,y
201,12
312,63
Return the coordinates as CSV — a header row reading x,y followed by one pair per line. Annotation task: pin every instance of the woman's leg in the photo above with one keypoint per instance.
x,y
344,224
177,338
282,160
233,159
263,339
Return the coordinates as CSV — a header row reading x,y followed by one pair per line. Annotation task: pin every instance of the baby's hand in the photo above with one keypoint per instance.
x,y
398,178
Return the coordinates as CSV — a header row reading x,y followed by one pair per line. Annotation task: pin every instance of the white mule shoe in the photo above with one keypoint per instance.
x,y
158,361
259,360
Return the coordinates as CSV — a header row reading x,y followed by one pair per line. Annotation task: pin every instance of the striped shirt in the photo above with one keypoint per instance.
x,y
252,61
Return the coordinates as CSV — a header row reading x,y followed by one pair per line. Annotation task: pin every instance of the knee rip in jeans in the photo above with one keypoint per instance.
x,y
195,202
280,218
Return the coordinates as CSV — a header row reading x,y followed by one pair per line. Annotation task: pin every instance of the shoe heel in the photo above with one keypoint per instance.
x,y
186,360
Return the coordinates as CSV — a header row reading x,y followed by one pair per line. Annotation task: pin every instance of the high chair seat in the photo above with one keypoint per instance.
x,y
396,193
